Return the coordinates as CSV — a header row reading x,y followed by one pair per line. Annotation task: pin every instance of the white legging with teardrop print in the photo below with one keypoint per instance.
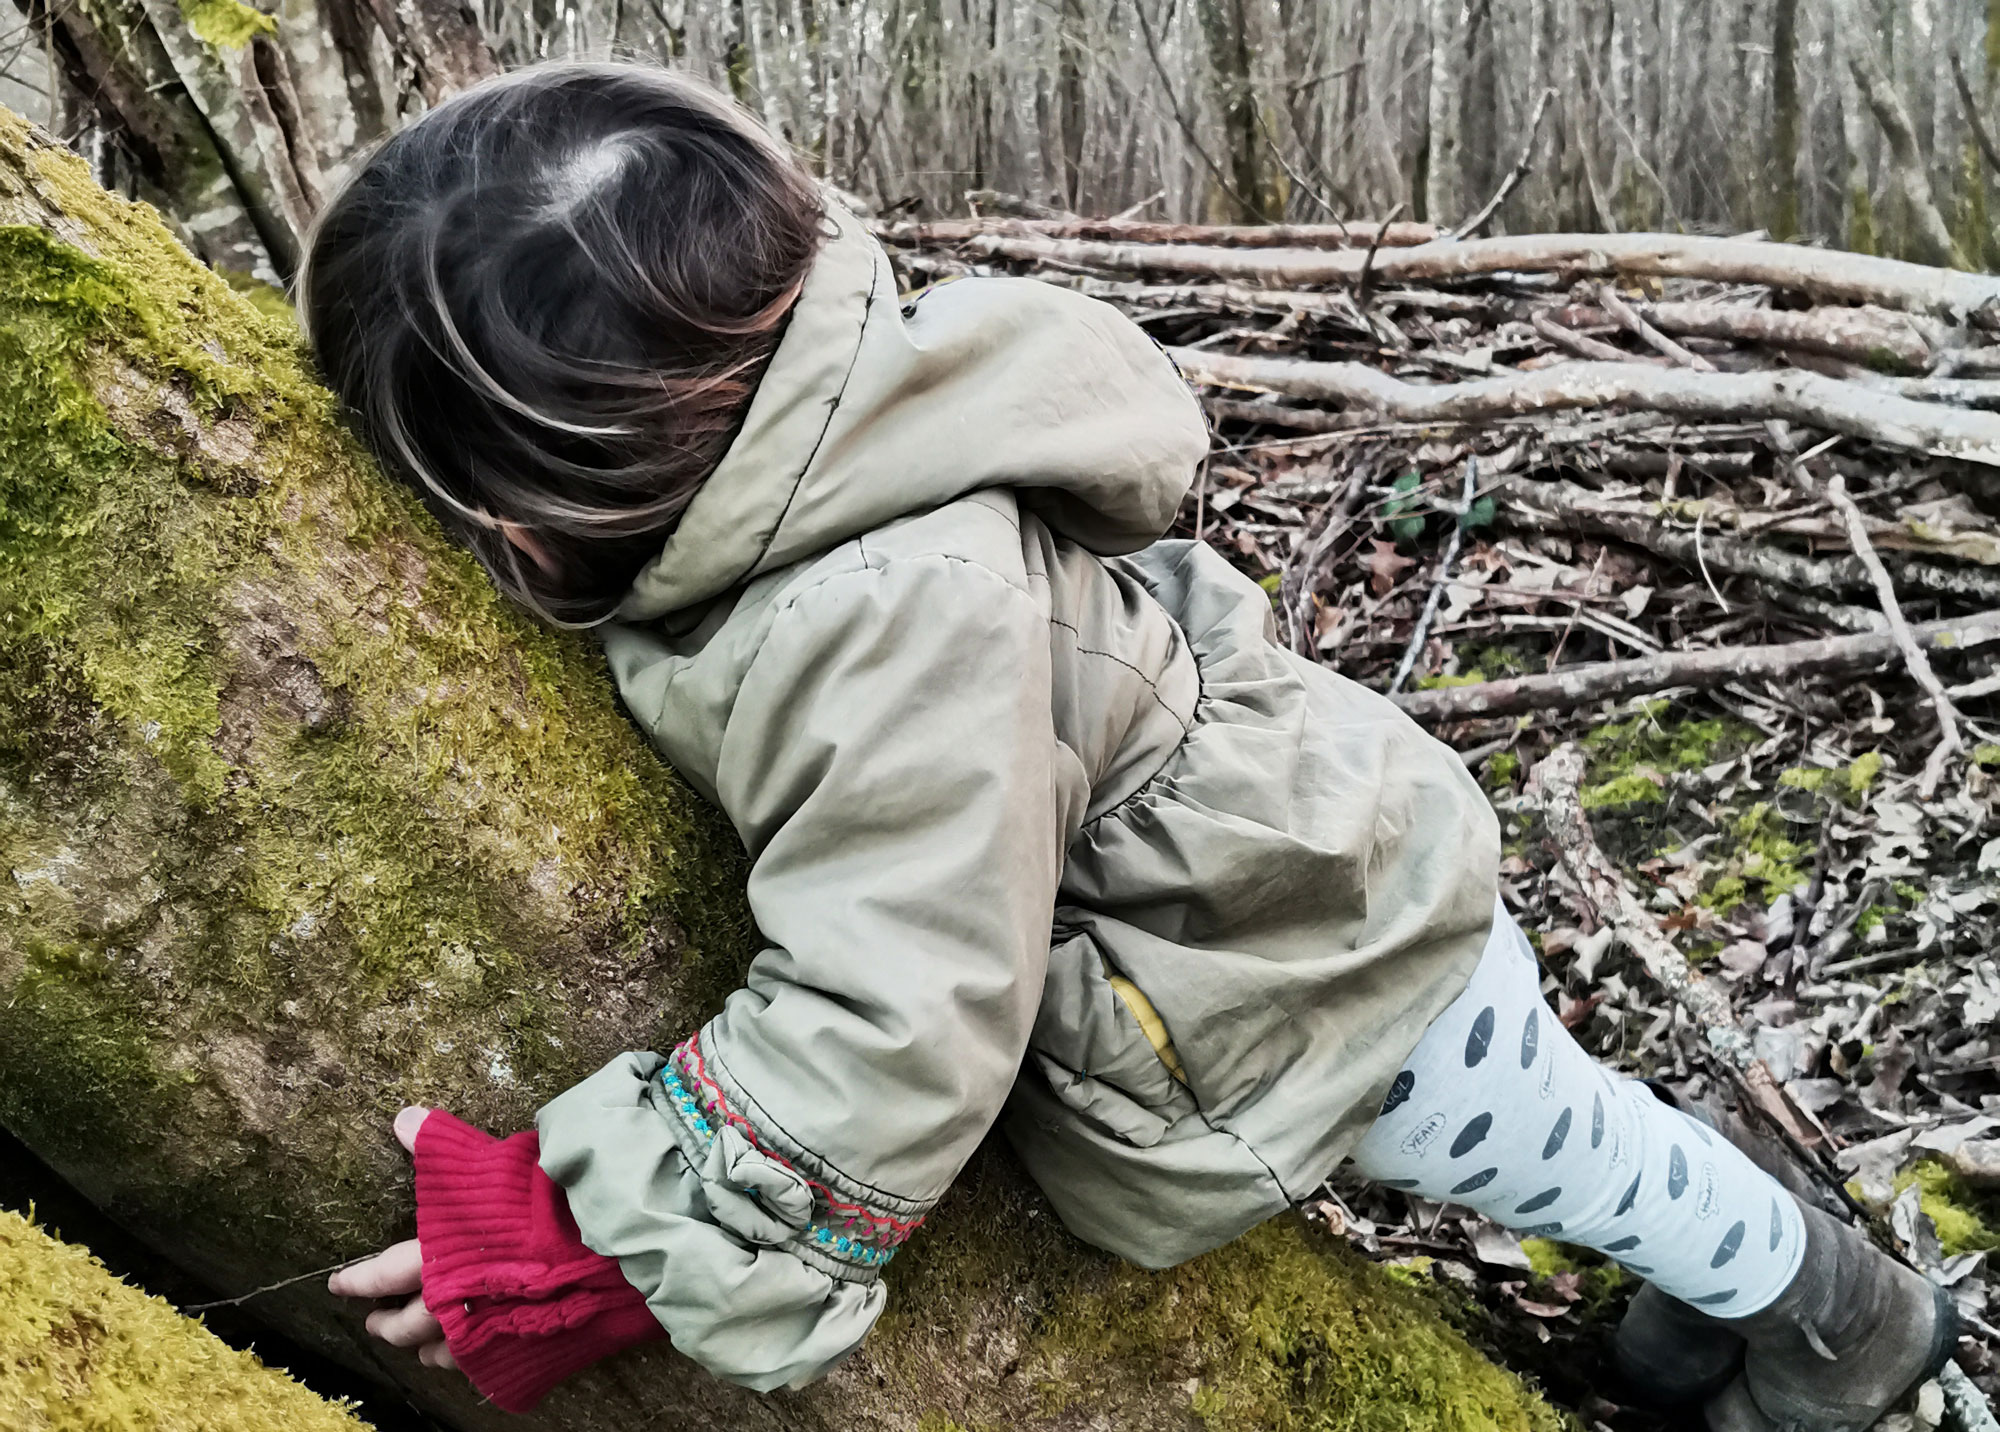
x,y
1499,1110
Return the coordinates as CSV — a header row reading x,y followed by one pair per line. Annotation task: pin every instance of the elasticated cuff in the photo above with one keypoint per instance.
x,y
524,1303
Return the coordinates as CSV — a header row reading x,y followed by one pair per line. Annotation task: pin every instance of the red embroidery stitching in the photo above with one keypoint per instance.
x,y
689,1051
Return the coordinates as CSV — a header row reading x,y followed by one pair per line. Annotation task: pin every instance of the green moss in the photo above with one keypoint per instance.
x,y
1442,683
1647,739
1314,1338
1502,767
1960,1215
226,24
81,1351
272,741
1283,1330
1769,856
1870,920
1622,790
267,298
1987,755
1599,1280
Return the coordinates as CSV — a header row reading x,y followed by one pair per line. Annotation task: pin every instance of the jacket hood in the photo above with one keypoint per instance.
x,y
873,408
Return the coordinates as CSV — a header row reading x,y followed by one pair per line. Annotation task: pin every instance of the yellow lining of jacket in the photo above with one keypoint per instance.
x,y
1154,1028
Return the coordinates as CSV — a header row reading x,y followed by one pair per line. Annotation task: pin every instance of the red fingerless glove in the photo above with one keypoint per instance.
x,y
523,1301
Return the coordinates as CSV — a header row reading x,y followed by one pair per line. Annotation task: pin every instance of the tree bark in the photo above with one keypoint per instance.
x,y
303,822
236,116
1930,236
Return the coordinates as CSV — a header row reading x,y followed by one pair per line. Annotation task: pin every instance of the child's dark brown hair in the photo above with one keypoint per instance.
x,y
547,303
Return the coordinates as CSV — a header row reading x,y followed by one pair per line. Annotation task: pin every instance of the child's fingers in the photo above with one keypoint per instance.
x,y
408,1326
393,1271
407,1124
437,1355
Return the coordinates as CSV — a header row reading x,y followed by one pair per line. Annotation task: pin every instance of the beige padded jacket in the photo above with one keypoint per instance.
x,y
1045,830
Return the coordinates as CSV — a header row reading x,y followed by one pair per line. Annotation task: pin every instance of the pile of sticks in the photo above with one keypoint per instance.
x,y
1420,441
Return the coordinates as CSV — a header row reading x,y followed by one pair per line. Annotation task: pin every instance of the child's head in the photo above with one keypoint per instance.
x,y
548,302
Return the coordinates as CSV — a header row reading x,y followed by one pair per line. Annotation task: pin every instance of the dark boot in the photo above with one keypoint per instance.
x,y
1672,1355
1851,1336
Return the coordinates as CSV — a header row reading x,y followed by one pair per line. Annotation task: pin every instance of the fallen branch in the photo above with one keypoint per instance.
x,y
1873,337
1642,523
1808,399
1619,309
1603,888
1582,345
1949,740
1445,563
1821,274
1140,231
1615,680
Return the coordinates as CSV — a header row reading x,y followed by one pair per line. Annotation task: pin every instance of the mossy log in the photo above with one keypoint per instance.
x,y
300,822
81,1351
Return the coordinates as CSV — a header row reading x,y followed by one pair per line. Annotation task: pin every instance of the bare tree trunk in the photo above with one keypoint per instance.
x,y
1224,29
1784,221
236,116
1444,201
304,822
1929,236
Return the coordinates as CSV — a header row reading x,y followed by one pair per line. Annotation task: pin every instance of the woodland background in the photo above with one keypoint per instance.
x,y
1847,122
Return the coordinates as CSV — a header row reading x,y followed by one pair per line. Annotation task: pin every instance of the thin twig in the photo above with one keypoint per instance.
x,y
1514,176
1364,284
1425,617
1615,304
1919,664
241,1298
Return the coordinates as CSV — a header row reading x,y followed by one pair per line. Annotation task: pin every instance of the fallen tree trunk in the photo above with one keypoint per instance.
x,y
302,822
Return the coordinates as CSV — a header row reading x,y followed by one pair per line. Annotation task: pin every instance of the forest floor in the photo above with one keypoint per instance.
x,y
1678,522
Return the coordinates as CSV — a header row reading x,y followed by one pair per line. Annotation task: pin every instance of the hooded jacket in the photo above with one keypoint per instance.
x,y
1044,830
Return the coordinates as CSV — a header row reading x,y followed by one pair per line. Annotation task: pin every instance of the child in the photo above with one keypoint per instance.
x,y
1045,829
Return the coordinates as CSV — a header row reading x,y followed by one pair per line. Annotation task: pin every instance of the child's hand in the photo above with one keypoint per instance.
x,y
394,1272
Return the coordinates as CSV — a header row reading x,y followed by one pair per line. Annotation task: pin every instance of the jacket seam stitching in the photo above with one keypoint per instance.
x,y
875,566
832,407
1082,650
1187,730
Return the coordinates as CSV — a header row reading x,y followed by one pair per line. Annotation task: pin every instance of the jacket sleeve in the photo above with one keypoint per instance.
x,y
888,762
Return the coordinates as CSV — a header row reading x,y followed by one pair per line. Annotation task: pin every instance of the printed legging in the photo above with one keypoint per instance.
x,y
1499,1110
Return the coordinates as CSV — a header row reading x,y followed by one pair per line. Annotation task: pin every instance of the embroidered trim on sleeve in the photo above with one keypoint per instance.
x,y
847,1231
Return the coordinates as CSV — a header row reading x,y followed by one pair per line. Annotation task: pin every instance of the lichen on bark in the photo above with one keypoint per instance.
x,y
299,821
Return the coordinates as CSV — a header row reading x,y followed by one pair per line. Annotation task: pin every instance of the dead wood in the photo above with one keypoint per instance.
x,y
1581,686
1804,398
1820,274
1873,337
1141,231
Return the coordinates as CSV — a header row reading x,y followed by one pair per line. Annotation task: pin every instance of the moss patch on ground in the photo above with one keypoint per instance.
x,y
1629,761
81,1351
1964,1218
